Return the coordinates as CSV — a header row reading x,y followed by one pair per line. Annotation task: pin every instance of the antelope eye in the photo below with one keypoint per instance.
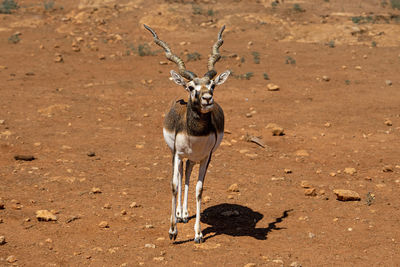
x,y
191,88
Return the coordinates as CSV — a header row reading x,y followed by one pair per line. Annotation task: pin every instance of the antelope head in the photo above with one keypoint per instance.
x,y
201,89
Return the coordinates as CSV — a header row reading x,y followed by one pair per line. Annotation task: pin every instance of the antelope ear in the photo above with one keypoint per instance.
x,y
222,77
178,79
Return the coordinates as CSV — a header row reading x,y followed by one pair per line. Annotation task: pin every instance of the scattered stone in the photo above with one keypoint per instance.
x,y
275,129
2,240
158,258
134,205
123,212
388,82
287,171
346,195
233,188
387,168
11,259
24,157
2,122
278,261
107,206
333,174
2,205
206,199
310,192
249,115
350,171
250,265
358,68
73,218
272,87
328,124
311,235
104,224
349,229
150,246
91,154
302,153
102,57
45,215
278,179
326,78
96,190
388,122
58,58
149,226
305,184
295,264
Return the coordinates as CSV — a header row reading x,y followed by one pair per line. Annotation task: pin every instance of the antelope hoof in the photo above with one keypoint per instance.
x,y
172,236
199,240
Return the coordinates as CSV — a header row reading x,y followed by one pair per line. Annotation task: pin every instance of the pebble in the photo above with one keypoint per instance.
x,y
295,264
2,240
2,122
311,235
45,215
311,192
388,122
96,190
233,188
326,78
305,184
278,179
107,206
346,195
302,153
150,246
272,87
276,130
149,226
102,57
251,264
388,82
58,58
134,205
350,171
158,258
91,154
11,259
104,224
387,168
206,199
358,68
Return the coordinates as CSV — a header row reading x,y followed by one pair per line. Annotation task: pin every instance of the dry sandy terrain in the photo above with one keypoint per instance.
x,y
84,90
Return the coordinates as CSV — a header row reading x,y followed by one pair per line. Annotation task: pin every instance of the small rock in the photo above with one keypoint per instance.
x,y
295,264
2,122
149,226
58,58
358,68
233,188
134,205
45,215
91,154
387,168
107,206
2,205
333,174
278,179
311,192
123,212
96,190
104,224
102,57
388,82
305,184
11,259
158,258
206,199
302,153
250,265
388,122
150,246
311,235
350,171
287,171
328,124
2,240
326,78
249,115
272,87
346,195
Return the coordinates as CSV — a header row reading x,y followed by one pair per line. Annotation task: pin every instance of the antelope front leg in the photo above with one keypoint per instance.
x,y
177,174
188,171
199,192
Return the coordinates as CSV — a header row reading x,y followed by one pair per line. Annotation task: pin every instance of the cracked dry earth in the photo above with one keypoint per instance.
x,y
83,93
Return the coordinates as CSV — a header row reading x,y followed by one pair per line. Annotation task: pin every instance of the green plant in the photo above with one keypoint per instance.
x,y
48,5
256,57
265,75
384,3
7,6
14,39
361,19
373,44
347,82
395,4
274,4
210,13
290,60
298,8
196,9
242,60
245,76
141,50
331,44
193,57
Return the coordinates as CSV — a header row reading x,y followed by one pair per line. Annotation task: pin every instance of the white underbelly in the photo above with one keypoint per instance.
x,y
194,148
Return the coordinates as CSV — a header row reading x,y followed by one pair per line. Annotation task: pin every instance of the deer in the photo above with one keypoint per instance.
x,y
193,130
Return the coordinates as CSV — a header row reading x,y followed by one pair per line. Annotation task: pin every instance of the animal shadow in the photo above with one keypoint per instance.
x,y
237,220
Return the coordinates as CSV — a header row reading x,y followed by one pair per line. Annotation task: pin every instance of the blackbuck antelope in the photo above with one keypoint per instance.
x,y
193,130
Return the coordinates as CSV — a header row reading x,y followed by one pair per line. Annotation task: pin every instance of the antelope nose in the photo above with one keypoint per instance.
x,y
207,97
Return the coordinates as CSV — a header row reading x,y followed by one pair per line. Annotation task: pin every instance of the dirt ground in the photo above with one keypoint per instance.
x,y
84,91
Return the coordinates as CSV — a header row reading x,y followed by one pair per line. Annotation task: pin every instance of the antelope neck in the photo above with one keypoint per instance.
x,y
198,124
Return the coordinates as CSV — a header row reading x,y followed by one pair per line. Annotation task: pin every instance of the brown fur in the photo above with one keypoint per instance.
x,y
185,117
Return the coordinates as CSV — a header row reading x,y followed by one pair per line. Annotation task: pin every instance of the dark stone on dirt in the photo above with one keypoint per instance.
x,y
91,154
24,157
